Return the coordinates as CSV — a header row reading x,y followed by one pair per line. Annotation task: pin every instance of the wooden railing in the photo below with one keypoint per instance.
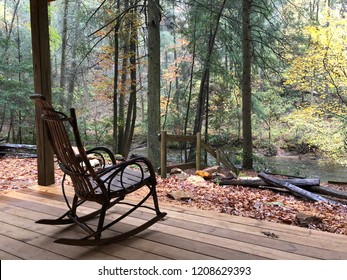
x,y
166,138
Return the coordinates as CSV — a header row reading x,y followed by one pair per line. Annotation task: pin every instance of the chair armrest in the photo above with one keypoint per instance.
x,y
102,153
140,160
144,165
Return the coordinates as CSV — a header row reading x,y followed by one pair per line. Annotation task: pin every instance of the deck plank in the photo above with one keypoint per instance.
x,y
6,256
26,251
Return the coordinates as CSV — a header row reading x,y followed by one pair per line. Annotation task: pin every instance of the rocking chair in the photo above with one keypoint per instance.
x,y
107,183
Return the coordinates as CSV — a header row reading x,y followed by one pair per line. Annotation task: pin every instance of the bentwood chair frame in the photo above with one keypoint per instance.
x,y
108,184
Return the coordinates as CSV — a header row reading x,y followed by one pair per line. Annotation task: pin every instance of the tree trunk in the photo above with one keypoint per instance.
x,y
73,66
123,86
19,51
246,86
190,80
153,111
131,114
293,189
121,104
328,191
256,182
19,138
177,92
63,66
11,131
115,84
140,85
3,115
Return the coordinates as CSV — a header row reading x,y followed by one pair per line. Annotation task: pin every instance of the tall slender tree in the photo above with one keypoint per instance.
x,y
200,108
153,108
246,86
63,63
131,112
115,81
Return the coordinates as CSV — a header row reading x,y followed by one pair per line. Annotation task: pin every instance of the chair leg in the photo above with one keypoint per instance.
x,y
70,216
101,220
155,199
109,240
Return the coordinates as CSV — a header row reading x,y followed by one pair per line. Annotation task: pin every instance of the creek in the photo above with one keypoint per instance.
x,y
291,165
308,167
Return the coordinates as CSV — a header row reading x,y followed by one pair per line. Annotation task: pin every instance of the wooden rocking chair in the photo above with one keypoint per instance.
x,y
107,184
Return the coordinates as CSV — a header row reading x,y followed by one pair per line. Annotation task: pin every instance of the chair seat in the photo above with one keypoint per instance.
x,y
124,183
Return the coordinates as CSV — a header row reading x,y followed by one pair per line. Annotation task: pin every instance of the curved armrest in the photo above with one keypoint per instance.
x,y
102,150
136,160
144,165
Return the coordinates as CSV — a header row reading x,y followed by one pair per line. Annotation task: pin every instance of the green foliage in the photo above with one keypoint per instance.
x,y
321,68
319,134
15,103
54,38
299,70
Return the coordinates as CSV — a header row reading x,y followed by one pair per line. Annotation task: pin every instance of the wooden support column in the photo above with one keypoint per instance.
x,y
218,157
163,154
198,151
42,81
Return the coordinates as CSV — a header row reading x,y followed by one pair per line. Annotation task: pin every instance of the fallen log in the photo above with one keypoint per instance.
x,y
294,189
312,185
256,182
18,150
337,182
328,191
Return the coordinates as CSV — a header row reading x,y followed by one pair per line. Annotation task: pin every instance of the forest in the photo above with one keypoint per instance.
x,y
253,76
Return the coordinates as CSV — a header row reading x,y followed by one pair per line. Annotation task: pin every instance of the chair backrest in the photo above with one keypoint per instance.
x,y
77,166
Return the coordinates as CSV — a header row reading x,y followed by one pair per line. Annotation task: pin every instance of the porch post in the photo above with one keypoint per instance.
x,y
42,82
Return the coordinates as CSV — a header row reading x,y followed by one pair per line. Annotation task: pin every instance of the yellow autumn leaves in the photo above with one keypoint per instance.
x,y
322,68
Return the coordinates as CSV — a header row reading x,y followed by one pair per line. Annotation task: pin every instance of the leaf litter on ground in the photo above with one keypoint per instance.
x,y
261,204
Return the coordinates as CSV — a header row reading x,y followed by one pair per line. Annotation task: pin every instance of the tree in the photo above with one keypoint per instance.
x,y
246,86
123,83
131,112
203,92
153,25
72,74
16,78
63,62
321,69
115,81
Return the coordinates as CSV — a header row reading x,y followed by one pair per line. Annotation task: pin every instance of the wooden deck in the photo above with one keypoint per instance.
x,y
185,234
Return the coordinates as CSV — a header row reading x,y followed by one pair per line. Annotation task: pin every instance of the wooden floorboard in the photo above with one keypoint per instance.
x,y
186,233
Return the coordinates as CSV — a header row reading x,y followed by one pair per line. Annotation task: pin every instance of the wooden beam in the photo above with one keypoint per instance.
x,y
163,154
42,82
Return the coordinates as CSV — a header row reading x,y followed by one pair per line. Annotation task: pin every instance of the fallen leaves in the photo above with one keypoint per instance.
x,y
256,203
262,204
19,173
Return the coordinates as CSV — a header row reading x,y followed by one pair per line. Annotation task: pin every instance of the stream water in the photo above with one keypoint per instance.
x,y
308,167
292,165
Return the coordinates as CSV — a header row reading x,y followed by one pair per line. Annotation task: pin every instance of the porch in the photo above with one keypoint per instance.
x,y
185,234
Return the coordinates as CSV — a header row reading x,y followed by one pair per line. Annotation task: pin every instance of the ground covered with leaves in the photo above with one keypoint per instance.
x,y
262,204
